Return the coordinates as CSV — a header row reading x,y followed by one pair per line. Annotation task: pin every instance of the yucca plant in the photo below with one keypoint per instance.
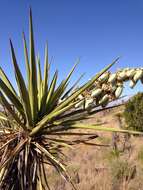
x,y
36,119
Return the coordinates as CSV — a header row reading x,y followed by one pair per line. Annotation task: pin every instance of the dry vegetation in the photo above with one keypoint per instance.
x,y
114,162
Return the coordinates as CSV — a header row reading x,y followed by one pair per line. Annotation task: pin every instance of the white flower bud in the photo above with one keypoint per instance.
x,y
80,97
138,75
104,99
132,84
122,75
104,77
89,103
118,91
96,92
131,73
112,78
79,104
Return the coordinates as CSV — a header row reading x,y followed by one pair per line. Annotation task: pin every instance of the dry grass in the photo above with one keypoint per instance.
x,y
91,167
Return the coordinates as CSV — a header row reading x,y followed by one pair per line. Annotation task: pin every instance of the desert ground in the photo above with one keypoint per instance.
x,y
112,161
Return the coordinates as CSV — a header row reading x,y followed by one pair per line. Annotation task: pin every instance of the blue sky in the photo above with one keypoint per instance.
x,y
95,30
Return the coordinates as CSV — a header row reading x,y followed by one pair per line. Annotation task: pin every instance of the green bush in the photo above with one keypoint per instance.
x,y
122,170
133,113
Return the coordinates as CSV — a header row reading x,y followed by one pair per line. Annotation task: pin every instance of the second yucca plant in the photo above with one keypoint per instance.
x,y
32,120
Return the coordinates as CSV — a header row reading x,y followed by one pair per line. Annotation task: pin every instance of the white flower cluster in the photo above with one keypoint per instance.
x,y
109,87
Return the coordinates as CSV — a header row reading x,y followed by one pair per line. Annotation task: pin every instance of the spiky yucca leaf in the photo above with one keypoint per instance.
x,y
35,122
6,81
33,74
26,59
39,83
24,96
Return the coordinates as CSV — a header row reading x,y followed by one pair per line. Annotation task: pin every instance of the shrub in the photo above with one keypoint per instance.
x,y
122,170
140,155
133,113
